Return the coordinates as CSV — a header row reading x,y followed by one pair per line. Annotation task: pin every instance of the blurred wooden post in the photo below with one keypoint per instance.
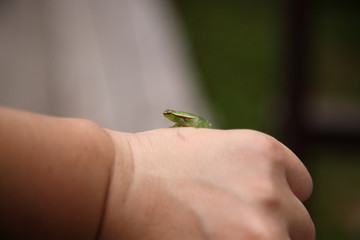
x,y
301,131
296,75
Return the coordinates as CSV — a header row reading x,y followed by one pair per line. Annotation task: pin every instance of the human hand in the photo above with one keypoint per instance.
x,y
186,183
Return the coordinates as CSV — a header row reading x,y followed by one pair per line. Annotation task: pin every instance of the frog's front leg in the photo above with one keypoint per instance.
x,y
181,122
179,125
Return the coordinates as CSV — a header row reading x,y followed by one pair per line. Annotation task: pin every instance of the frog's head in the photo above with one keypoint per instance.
x,y
169,114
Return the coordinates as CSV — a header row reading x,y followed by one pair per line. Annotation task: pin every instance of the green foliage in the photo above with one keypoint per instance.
x,y
236,49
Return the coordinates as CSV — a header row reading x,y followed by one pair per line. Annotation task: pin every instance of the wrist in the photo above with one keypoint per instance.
x,y
121,178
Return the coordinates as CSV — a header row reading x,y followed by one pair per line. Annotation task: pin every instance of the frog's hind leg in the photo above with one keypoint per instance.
x,y
179,125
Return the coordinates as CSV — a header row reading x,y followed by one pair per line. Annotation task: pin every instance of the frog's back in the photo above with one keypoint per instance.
x,y
186,114
193,120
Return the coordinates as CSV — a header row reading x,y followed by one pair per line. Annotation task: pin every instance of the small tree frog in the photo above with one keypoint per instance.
x,y
184,119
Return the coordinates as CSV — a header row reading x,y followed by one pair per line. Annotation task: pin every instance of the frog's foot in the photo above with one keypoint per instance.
x,y
178,125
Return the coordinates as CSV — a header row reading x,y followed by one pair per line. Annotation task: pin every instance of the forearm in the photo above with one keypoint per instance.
x,y
54,174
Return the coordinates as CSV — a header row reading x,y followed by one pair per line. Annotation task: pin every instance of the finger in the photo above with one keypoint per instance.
x,y
300,224
298,177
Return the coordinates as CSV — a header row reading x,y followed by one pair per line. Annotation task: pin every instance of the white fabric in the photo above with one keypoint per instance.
x,y
119,63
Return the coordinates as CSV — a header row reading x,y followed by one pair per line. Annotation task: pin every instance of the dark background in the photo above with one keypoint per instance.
x,y
290,69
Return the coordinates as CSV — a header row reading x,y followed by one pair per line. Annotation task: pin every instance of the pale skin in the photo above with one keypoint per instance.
x,y
71,179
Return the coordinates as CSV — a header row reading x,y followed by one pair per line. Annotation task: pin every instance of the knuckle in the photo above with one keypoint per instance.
x,y
303,227
266,229
269,146
269,197
311,232
264,143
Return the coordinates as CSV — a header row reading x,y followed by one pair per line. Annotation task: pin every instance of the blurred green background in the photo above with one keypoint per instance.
x,y
244,52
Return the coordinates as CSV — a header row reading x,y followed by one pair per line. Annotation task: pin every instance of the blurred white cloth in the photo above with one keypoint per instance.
x,y
119,63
